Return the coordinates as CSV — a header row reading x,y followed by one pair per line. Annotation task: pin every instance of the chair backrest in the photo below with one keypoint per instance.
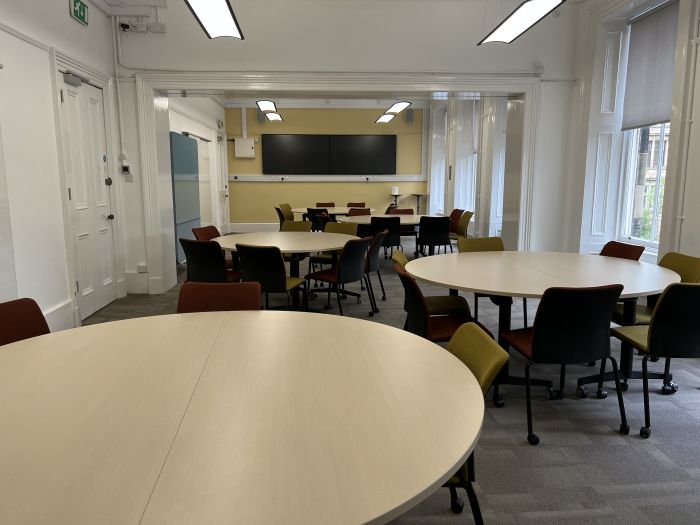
x,y
572,325
684,265
356,204
318,218
463,224
351,261
265,265
205,261
400,258
206,233
347,228
400,211
280,216
674,330
434,231
622,250
325,204
296,226
454,219
359,211
392,225
479,352
21,319
218,297
372,260
287,211
480,244
414,303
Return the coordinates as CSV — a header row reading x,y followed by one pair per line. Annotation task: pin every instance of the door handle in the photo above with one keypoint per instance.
x,y
110,217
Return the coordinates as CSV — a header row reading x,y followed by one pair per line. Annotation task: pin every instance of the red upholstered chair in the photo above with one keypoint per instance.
x,y
400,211
356,204
325,204
622,250
454,219
218,297
21,319
359,211
572,325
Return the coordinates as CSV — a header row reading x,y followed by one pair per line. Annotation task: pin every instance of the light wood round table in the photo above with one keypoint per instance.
x,y
529,274
405,220
337,210
288,242
230,417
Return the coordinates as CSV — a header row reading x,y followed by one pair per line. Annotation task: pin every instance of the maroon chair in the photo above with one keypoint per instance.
x,y
622,250
454,219
400,211
218,297
325,204
356,204
359,211
21,319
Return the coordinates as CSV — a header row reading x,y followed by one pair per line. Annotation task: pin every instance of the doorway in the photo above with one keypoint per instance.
x,y
88,189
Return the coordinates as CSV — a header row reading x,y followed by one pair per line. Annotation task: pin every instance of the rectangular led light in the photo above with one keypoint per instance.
x,y
384,119
523,18
216,18
273,116
398,108
267,106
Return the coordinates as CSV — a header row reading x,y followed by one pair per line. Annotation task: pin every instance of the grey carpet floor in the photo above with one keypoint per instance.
x,y
583,471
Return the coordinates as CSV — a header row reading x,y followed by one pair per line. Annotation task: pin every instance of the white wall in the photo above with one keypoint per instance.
x,y
8,282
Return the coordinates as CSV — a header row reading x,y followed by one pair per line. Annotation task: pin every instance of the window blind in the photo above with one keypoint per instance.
x,y
650,69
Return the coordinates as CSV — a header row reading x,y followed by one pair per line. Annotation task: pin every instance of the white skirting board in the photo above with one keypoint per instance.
x,y
62,316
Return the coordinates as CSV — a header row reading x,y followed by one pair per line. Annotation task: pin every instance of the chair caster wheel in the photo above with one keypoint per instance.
x,y
498,402
457,505
555,393
581,392
645,432
624,429
371,313
533,439
669,388
624,386
601,394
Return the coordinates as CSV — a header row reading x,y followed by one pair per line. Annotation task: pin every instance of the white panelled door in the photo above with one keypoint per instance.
x,y
88,191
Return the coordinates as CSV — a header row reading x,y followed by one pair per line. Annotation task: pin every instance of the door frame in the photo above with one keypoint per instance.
x,y
59,64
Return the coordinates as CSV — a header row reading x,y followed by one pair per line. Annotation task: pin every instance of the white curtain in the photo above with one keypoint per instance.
x,y
468,120
438,157
650,69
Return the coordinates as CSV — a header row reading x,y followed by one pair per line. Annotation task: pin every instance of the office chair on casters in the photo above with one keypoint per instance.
x,y
572,326
485,358
674,332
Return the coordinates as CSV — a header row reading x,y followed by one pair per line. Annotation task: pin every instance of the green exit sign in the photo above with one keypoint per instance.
x,y
79,11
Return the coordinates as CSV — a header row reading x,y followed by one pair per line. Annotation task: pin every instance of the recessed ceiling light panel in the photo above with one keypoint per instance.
x,y
398,107
267,106
523,18
384,119
216,18
274,116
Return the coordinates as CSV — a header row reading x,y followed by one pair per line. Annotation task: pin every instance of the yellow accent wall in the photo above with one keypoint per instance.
x,y
255,201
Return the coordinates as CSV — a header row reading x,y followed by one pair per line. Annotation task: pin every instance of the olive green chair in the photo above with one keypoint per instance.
x,y
485,244
462,226
296,226
485,358
437,304
287,211
673,332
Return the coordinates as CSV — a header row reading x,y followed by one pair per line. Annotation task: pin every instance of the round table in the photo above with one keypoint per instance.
x,y
405,220
337,210
529,274
288,242
230,417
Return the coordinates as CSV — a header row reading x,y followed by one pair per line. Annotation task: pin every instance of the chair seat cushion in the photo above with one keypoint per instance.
x,y
643,315
233,277
441,328
294,282
520,340
460,477
328,276
634,335
446,304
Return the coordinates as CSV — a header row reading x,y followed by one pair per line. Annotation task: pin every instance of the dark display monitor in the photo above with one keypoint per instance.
x,y
295,154
363,154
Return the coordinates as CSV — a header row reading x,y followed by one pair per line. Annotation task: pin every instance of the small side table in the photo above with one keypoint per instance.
x,y
395,204
418,196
